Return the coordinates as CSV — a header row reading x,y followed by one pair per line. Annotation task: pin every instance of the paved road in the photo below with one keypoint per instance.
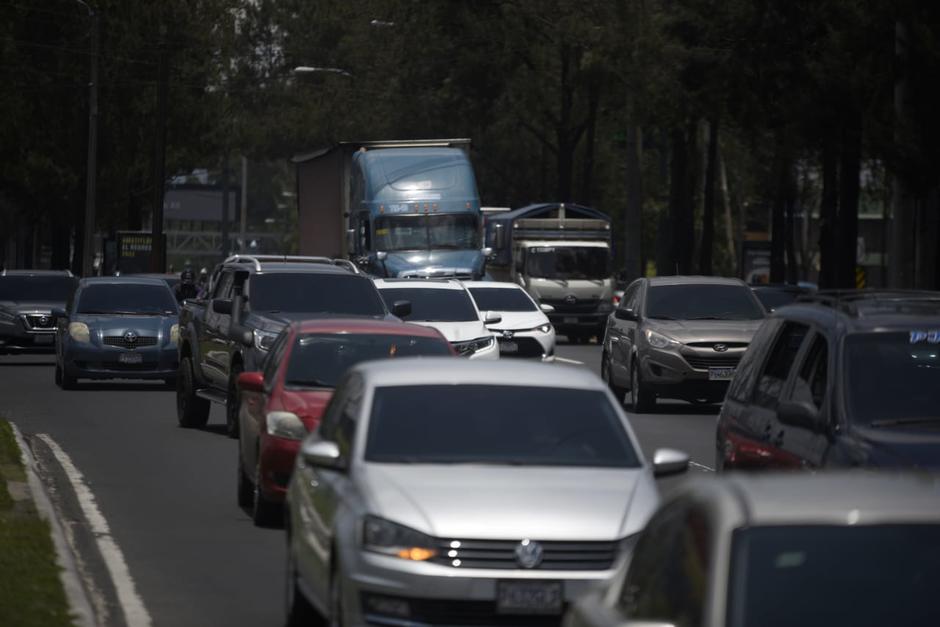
x,y
169,493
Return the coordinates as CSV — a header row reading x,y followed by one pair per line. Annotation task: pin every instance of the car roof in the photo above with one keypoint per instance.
x,y
457,371
695,280
123,280
431,284
272,267
36,273
860,311
363,326
497,284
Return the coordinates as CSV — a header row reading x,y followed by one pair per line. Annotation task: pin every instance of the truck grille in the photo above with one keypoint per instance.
x,y
577,305
39,322
501,554
121,342
705,362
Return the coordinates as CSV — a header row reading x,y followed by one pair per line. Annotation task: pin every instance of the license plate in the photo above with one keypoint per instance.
x,y
721,374
130,358
43,339
529,597
508,347
571,321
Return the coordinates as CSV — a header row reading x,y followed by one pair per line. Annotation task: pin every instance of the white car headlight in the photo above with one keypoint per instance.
x,y
80,332
545,328
264,340
382,536
285,424
465,349
658,340
175,334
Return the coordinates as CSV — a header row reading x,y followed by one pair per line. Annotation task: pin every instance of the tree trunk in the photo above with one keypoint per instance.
x,y
849,171
563,130
587,176
708,205
633,224
778,209
726,202
680,204
828,213
901,254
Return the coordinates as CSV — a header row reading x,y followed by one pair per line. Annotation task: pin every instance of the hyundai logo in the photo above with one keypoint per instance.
x,y
529,554
720,348
571,299
130,337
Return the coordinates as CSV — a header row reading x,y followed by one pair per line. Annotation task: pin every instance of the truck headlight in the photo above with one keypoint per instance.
x,y
264,340
658,340
175,334
285,424
382,536
470,347
80,332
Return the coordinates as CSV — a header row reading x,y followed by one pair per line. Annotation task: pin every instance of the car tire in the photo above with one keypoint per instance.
x,y
337,614
170,382
65,381
245,489
300,612
233,403
618,391
58,375
264,513
644,399
192,412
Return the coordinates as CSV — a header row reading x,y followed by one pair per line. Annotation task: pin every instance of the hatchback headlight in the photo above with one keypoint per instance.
x,y
382,536
605,307
658,340
175,334
264,340
472,346
80,332
285,424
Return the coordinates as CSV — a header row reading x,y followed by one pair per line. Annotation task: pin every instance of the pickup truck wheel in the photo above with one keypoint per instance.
x,y
233,404
191,411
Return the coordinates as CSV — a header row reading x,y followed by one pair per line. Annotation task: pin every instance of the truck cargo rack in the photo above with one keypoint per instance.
x,y
561,228
258,259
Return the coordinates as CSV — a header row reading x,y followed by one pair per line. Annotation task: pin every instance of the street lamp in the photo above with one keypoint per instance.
x,y
88,241
306,69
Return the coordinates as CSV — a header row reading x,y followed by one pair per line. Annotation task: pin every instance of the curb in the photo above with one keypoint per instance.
x,y
79,603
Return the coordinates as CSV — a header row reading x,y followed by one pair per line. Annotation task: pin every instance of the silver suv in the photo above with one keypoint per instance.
x,y
678,337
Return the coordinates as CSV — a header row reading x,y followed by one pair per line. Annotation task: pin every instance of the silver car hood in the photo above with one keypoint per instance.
x,y
508,503
686,331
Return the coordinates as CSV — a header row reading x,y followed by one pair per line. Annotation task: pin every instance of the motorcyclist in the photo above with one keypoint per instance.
x,y
186,288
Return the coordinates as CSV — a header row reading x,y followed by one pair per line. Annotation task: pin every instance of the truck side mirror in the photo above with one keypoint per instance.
x,y
499,236
487,251
350,240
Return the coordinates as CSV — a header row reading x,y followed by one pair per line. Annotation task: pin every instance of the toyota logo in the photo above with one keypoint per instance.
x,y
508,335
529,554
720,348
130,337
570,299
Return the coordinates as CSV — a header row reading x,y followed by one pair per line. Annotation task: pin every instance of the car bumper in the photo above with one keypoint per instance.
x,y
527,344
28,341
105,362
277,464
687,373
578,322
383,590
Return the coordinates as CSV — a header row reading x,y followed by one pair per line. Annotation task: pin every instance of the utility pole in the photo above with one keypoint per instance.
x,y
88,240
224,224
158,254
243,225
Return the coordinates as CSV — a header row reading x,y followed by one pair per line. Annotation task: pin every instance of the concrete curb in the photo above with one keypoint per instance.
x,y
79,603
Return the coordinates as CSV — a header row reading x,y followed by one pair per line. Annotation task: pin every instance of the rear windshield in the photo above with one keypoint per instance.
x,y
819,576
309,292
497,424
36,288
433,305
127,298
319,360
702,302
501,299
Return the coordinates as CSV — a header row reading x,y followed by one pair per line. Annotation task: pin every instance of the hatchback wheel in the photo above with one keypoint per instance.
x,y
300,612
65,381
191,411
644,399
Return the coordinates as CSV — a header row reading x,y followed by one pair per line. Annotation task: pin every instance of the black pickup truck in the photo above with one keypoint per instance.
x,y
251,299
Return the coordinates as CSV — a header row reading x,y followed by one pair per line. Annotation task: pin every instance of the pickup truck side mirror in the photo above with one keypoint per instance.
x,y
622,313
401,308
799,414
238,333
222,306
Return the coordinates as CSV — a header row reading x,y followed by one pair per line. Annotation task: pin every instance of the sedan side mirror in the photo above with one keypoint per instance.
x,y
251,382
625,314
222,306
322,454
799,414
401,308
491,317
669,461
546,308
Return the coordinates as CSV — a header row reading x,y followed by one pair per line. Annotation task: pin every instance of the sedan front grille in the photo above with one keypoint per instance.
x,y
39,322
525,347
702,362
123,342
501,554
577,305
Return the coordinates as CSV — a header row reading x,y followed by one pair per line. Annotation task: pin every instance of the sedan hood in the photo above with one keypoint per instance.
x,y
519,320
901,447
500,502
308,405
456,331
687,331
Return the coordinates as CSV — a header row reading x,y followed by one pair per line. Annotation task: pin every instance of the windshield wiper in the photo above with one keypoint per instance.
x,y
914,420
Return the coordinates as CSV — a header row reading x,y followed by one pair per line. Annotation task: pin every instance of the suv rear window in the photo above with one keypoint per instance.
x,y
433,304
311,292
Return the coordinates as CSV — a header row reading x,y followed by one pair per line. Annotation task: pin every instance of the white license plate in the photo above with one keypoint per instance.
x,y
508,347
721,374
43,339
571,321
529,597
130,358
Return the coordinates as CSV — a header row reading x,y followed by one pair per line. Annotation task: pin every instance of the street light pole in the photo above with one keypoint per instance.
x,y
88,241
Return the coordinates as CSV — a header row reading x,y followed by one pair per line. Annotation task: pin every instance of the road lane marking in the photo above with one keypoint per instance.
x,y
569,361
135,614
701,466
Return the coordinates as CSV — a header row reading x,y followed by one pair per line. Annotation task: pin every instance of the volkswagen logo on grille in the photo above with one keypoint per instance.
x,y
529,554
571,299
130,337
720,348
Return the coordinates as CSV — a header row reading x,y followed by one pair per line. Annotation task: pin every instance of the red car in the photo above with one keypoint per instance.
x,y
282,404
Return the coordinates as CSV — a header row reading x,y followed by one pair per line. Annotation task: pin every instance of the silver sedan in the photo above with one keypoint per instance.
x,y
440,491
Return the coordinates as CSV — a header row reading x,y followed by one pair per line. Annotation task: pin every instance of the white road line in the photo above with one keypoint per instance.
x,y
701,467
135,613
569,361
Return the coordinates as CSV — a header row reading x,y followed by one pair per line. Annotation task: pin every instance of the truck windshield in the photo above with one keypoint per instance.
x,y
449,230
568,262
315,293
36,288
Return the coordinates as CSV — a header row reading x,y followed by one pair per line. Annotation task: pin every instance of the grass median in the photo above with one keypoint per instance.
x,y
31,592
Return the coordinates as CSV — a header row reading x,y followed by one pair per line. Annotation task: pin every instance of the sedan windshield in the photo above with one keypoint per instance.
x,y
702,302
319,360
568,262
501,299
446,230
127,298
310,292
892,379
433,305
36,288
497,424
818,576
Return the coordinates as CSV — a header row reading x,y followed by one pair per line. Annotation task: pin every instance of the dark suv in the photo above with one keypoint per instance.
x,y
839,379
27,300
252,298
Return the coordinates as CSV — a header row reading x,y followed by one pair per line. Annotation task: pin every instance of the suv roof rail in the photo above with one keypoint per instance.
x,y
847,300
258,259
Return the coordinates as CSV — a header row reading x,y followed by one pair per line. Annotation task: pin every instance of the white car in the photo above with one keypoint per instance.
x,y
525,330
447,306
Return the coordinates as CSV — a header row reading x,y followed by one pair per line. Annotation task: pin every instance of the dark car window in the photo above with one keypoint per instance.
x,y
36,288
746,374
223,288
309,292
812,381
777,369
497,424
772,298
568,262
319,360
502,299
892,376
819,576
702,302
431,304
126,298
669,572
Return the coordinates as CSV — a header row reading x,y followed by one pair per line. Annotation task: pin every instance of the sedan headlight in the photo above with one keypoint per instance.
x,y
285,424
6,316
658,340
175,334
79,332
472,346
264,340
382,536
